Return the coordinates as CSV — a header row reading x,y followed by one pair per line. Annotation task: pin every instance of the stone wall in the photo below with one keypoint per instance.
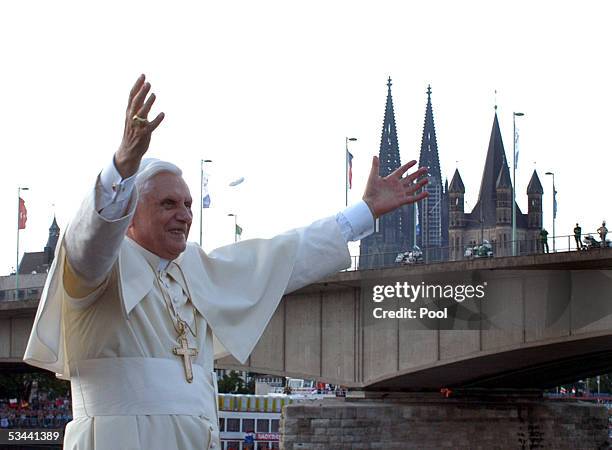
x,y
439,423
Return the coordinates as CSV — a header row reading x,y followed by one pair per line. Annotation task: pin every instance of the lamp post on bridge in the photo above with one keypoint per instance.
x,y
235,216
554,206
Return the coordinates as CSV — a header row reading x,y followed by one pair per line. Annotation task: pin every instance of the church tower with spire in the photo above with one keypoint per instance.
x,y
40,262
54,232
433,210
491,217
395,232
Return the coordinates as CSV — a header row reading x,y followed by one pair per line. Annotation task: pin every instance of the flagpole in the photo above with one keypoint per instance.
x,y
17,257
201,194
514,116
345,171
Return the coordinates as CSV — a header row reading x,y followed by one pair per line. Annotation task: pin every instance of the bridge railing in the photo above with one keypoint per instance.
x,y
564,243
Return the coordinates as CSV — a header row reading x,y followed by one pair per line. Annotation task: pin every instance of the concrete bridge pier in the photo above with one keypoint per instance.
x,y
484,419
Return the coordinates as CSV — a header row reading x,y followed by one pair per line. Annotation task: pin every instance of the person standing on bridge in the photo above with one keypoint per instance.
x,y
134,315
544,240
577,236
603,231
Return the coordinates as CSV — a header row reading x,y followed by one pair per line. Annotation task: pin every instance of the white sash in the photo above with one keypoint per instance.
x,y
141,386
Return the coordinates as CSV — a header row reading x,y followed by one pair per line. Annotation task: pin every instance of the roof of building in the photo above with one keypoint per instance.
x,y
503,178
34,262
456,184
495,163
534,186
389,147
429,144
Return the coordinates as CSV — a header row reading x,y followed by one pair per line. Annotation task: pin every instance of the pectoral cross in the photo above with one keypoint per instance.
x,y
185,352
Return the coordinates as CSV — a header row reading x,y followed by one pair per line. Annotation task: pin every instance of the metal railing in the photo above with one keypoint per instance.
x,y
564,243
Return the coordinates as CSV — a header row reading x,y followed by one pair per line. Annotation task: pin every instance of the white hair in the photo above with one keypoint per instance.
x,y
150,167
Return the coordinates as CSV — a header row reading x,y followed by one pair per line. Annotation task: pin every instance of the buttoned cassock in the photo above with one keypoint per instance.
x,y
115,343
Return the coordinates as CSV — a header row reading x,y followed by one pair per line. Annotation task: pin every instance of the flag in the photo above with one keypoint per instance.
x,y
205,194
13,403
238,230
349,159
23,214
554,203
516,146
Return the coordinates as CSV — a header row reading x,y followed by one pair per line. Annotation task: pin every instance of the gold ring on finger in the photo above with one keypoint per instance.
x,y
140,121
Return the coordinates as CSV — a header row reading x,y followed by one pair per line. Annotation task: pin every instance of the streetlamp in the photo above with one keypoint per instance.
x,y
19,189
346,167
202,161
554,206
514,116
235,216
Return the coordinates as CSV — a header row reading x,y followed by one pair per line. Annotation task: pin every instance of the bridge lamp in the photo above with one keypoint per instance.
x,y
554,206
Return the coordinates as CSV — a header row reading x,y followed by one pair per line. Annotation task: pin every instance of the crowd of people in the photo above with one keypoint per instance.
x,y
43,414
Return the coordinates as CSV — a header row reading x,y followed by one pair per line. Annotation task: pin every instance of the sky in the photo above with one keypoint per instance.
x,y
269,90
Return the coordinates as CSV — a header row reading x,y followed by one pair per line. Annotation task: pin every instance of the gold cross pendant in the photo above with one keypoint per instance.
x,y
186,353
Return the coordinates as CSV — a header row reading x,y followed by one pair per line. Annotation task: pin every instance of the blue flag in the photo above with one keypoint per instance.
x,y
516,146
205,194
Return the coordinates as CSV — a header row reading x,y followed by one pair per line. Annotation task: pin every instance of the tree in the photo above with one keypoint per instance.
x,y
19,385
234,384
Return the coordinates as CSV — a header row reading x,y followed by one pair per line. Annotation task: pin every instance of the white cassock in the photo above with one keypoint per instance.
x,y
115,344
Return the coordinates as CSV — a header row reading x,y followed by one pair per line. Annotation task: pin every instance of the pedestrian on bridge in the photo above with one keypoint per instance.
x,y
134,315
544,240
577,236
603,231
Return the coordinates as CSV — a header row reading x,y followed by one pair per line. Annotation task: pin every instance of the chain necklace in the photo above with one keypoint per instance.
x,y
181,326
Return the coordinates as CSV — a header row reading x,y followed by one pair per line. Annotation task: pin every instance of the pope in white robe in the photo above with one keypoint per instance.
x,y
135,323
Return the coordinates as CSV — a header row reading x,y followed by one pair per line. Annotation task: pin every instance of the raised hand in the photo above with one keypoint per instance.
x,y
137,130
384,194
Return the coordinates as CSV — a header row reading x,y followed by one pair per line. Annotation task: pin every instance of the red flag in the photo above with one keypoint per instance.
x,y
23,214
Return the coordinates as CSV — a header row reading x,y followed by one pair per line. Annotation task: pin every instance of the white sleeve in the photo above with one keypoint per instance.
x,y
113,197
356,222
93,239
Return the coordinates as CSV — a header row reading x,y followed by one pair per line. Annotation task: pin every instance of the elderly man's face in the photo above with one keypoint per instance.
x,y
163,216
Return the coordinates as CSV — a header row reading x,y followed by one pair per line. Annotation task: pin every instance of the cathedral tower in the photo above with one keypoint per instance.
x,y
396,229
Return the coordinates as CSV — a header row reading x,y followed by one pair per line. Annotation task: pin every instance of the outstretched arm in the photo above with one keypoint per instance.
x,y
94,237
325,240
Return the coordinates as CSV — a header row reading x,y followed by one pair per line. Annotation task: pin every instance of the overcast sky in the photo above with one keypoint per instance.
x,y
270,90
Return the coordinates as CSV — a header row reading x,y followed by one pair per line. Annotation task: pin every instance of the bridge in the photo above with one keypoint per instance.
x,y
545,319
